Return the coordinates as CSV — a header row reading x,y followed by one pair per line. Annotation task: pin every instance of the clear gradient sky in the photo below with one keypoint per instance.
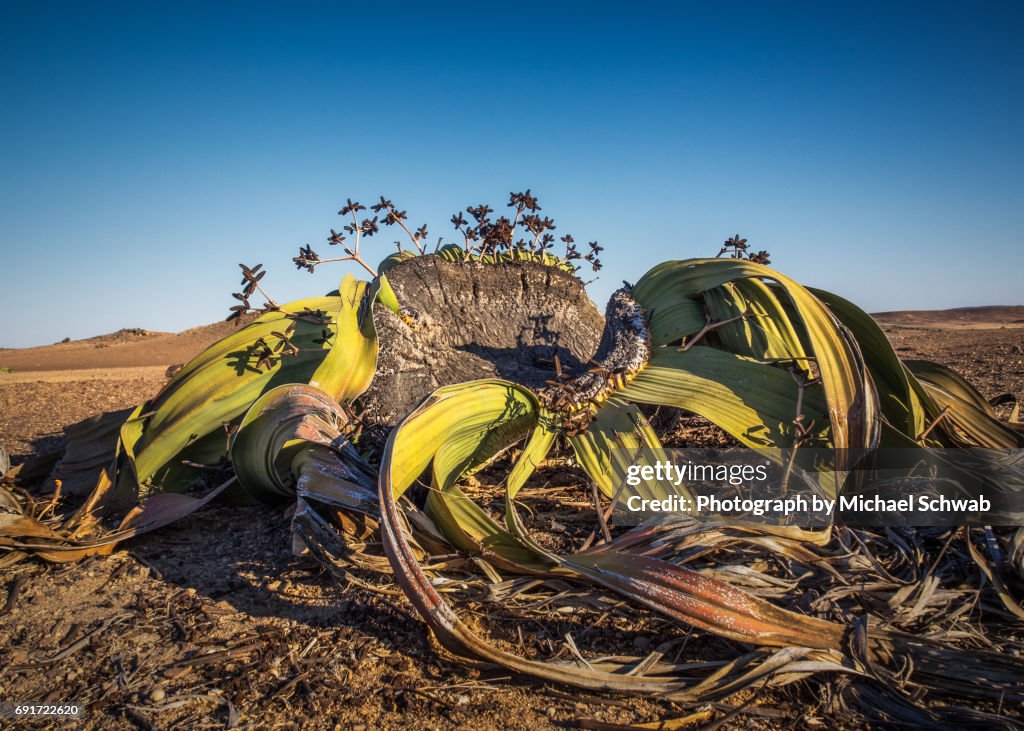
x,y
874,149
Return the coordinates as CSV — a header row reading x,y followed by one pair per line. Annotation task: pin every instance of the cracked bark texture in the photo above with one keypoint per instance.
x,y
475,321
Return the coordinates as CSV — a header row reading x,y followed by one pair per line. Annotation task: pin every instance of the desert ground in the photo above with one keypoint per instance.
x,y
213,622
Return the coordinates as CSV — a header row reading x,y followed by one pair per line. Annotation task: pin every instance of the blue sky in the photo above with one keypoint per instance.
x,y
145,149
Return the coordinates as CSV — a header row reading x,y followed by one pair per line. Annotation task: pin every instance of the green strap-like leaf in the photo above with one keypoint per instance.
x,y
898,397
618,437
849,397
222,382
947,380
214,389
765,331
456,429
537,447
960,411
348,369
754,402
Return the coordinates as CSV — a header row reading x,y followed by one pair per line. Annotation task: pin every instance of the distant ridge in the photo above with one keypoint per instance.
x,y
992,316
128,347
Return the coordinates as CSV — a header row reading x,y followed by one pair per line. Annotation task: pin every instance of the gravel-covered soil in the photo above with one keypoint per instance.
x,y
992,360
213,623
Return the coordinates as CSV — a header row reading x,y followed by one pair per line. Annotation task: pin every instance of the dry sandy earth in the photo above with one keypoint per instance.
x,y
213,623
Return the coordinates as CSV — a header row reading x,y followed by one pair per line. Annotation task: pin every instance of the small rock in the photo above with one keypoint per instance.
x,y
157,695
